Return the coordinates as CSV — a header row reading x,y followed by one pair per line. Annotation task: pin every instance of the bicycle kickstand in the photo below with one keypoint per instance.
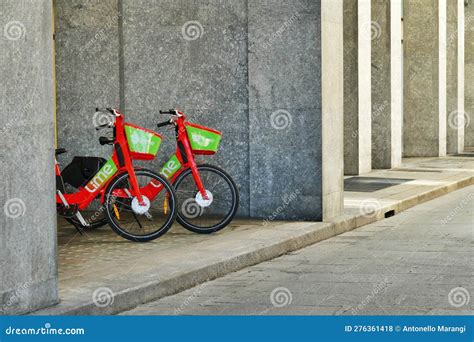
x,y
83,223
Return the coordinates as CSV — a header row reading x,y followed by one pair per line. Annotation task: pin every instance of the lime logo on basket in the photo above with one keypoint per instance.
x,y
170,168
200,140
140,141
104,174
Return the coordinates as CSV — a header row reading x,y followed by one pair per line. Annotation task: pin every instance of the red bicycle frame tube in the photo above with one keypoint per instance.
x,y
191,163
186,162
116,165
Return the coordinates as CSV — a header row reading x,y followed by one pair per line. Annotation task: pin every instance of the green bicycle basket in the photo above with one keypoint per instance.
x,y
143,144
203,140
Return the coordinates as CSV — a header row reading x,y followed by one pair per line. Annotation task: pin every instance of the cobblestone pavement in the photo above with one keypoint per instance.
x,y
417,262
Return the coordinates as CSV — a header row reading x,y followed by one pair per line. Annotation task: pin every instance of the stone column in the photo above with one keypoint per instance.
x,y
332,40
455,76
424,128
469,74
357,87
28,278
387,83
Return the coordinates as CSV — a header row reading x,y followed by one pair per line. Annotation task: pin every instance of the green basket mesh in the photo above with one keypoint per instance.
x,y
142,141
203,139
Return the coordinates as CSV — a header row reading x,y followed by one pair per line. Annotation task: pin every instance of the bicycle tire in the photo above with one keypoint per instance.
x,y
184,221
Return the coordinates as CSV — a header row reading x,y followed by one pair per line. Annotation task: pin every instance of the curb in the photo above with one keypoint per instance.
x,y
312,233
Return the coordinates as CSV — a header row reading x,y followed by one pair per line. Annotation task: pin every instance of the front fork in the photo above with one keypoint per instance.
x,y
133,178
194,169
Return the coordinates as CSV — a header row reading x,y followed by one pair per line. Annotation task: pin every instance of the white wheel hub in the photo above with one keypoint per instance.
x,y
204,203
141,209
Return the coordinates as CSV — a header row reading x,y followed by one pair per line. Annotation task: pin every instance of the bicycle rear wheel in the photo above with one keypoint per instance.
x,y
206,216
135,223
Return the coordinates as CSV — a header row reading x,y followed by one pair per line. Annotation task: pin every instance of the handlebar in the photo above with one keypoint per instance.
x,y
165,123
169,112
105,110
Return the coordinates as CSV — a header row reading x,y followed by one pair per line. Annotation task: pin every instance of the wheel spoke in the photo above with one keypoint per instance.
x,y
222,208
133,226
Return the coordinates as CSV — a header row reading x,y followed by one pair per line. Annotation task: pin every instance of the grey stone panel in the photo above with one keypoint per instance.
x,y
381,86
87,72
28,278
469,75
285,109
206,77
351,89
421,129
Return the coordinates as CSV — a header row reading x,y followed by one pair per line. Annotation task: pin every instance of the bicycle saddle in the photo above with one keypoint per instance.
x,y
106,141
59,151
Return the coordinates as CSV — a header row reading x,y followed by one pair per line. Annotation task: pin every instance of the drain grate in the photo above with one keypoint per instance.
x,y
463,155
371,184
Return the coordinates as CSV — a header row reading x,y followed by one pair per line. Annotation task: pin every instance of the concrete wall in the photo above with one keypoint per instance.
x,y
250,69
455,77
469,75
357,87
28,278
285,140
205,75
424,78
87,72
387,84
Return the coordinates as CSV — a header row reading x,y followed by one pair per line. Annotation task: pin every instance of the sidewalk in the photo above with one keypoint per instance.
x,y
121,275
409,264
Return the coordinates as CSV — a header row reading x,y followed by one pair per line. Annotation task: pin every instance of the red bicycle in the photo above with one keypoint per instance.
x,y
139,204
208,198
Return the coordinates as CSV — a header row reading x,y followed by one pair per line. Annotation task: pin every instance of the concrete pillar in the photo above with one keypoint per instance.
x,y
469,76
357,87
424,128
28,278
455,76
387,83
332,40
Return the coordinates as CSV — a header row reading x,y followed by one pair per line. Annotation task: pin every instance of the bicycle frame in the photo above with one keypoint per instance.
x,y
183,158
121,161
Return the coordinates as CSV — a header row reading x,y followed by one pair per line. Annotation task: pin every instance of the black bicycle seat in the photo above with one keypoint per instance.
x,y
59,151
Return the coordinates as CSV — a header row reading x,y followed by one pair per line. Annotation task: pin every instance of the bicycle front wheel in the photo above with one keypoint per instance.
x,y
140,223
206,216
